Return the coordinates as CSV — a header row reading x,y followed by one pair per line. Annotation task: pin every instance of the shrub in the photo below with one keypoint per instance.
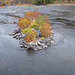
x,y
46,30
30,37
38,2
31,22
23,23
49,1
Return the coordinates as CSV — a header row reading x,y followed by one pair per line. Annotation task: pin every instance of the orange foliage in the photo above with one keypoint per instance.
x,y
27,19
47,19
33,15
28,15
21,18
29,38
23,23
35,32
30,20
34,19
46,30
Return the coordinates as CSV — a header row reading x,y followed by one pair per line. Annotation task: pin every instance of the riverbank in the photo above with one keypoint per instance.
x,y
55,3
63,4
16,5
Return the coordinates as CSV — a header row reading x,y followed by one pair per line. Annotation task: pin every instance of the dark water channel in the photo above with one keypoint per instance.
x,y
58,59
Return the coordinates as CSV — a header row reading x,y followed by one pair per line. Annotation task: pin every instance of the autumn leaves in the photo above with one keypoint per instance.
x,y
31,23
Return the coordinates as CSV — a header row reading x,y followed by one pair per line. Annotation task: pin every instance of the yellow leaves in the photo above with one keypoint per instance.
x,y
34,25
31,25
35,32
42,38
28,31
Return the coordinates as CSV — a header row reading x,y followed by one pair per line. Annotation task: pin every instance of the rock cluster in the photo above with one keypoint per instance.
x,y
39,44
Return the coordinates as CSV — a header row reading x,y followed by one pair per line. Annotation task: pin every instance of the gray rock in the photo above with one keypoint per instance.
x,y
21,46
11,34
17,36
27,46
38,45
22,41
22,35
52,41
15,32
34,48
41,44
39,48
48,43
43,41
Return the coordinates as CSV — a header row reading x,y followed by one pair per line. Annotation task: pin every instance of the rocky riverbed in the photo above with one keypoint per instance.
x,y
39,44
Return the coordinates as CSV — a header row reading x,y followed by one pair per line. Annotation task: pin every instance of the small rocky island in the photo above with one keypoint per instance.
x,y
35,31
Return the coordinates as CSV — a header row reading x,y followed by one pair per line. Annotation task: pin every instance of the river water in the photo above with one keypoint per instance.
x,y
58,59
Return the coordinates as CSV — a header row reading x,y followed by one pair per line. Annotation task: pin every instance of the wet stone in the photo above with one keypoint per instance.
x,y
48,43
38,45
39,48
43,41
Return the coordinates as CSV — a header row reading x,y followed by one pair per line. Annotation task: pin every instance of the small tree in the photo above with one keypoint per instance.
x,y
31,23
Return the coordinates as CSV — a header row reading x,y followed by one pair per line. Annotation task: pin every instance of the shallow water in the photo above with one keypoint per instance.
x,y
58,59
